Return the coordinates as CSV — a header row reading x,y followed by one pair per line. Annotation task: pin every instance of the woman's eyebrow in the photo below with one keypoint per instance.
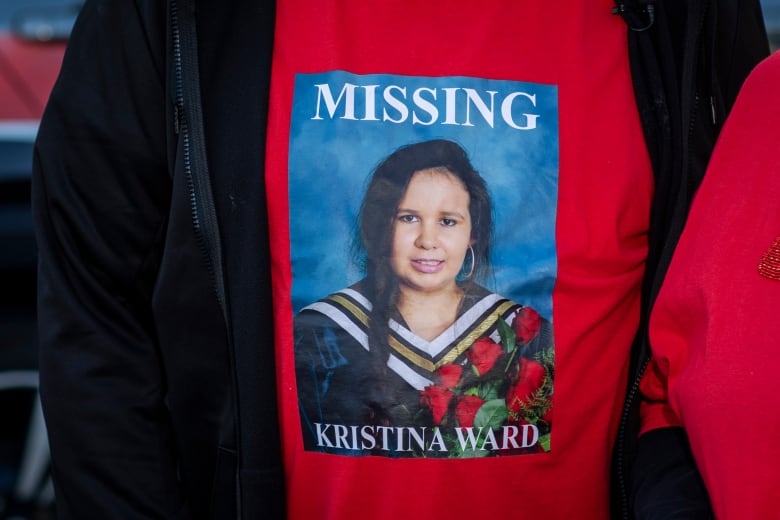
x,y
453,214
456,214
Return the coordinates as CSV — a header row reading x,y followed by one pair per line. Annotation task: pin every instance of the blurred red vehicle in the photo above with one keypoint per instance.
x,y
33,35
32,41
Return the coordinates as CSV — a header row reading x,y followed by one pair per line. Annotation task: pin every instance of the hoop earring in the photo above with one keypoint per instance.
x,y
467,275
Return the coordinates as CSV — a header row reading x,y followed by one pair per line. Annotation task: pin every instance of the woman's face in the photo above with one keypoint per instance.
x,y
432,231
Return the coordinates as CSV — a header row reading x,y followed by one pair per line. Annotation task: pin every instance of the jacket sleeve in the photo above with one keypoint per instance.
x,y
100,194
666,484
654,410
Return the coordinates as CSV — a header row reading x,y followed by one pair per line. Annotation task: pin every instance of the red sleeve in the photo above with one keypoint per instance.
x,y
655,410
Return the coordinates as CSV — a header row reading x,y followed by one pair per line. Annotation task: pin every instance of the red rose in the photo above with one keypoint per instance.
x,y
449,375
483,354
466,409
530,377
527,324
437,399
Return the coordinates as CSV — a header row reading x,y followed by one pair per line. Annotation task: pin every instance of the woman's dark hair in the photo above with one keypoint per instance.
x,y
386,188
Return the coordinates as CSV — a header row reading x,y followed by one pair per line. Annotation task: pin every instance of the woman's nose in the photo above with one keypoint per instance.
x,y
426,239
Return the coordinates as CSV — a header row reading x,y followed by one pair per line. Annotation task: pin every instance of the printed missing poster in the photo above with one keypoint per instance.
x,y
422,215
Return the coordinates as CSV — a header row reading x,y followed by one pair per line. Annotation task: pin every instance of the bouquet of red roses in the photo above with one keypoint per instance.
x,y
498,400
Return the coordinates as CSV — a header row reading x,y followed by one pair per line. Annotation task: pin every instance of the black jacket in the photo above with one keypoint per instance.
x,y
146,411
147,225
688,61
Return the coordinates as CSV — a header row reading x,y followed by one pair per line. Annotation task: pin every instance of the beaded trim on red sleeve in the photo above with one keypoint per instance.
x,y
769,266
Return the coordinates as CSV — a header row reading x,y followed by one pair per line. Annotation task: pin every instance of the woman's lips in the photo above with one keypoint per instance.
x,y
428,265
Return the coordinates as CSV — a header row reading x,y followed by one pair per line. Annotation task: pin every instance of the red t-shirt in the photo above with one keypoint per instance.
x,y
715,325
540,98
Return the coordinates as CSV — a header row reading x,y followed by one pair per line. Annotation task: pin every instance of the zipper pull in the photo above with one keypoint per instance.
x,y
176,119
712,111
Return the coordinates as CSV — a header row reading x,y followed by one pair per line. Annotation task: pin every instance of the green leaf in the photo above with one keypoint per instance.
x,y
472,391
492,414
489,390
544,442
508,337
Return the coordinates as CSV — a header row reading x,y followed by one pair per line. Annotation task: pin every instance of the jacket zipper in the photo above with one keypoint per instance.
x,y
632,393
203,209
188,124
624,500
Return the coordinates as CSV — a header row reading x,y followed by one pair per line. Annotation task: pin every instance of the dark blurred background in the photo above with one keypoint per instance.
x,y
33,35
771,10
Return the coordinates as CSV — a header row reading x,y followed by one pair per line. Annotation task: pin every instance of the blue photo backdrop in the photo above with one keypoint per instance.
x,y
344,124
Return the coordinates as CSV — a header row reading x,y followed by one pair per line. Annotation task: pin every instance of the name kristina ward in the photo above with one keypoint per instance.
x,y
405,439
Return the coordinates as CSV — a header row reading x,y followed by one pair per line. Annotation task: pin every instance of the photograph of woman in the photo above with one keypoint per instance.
x,y
417,358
